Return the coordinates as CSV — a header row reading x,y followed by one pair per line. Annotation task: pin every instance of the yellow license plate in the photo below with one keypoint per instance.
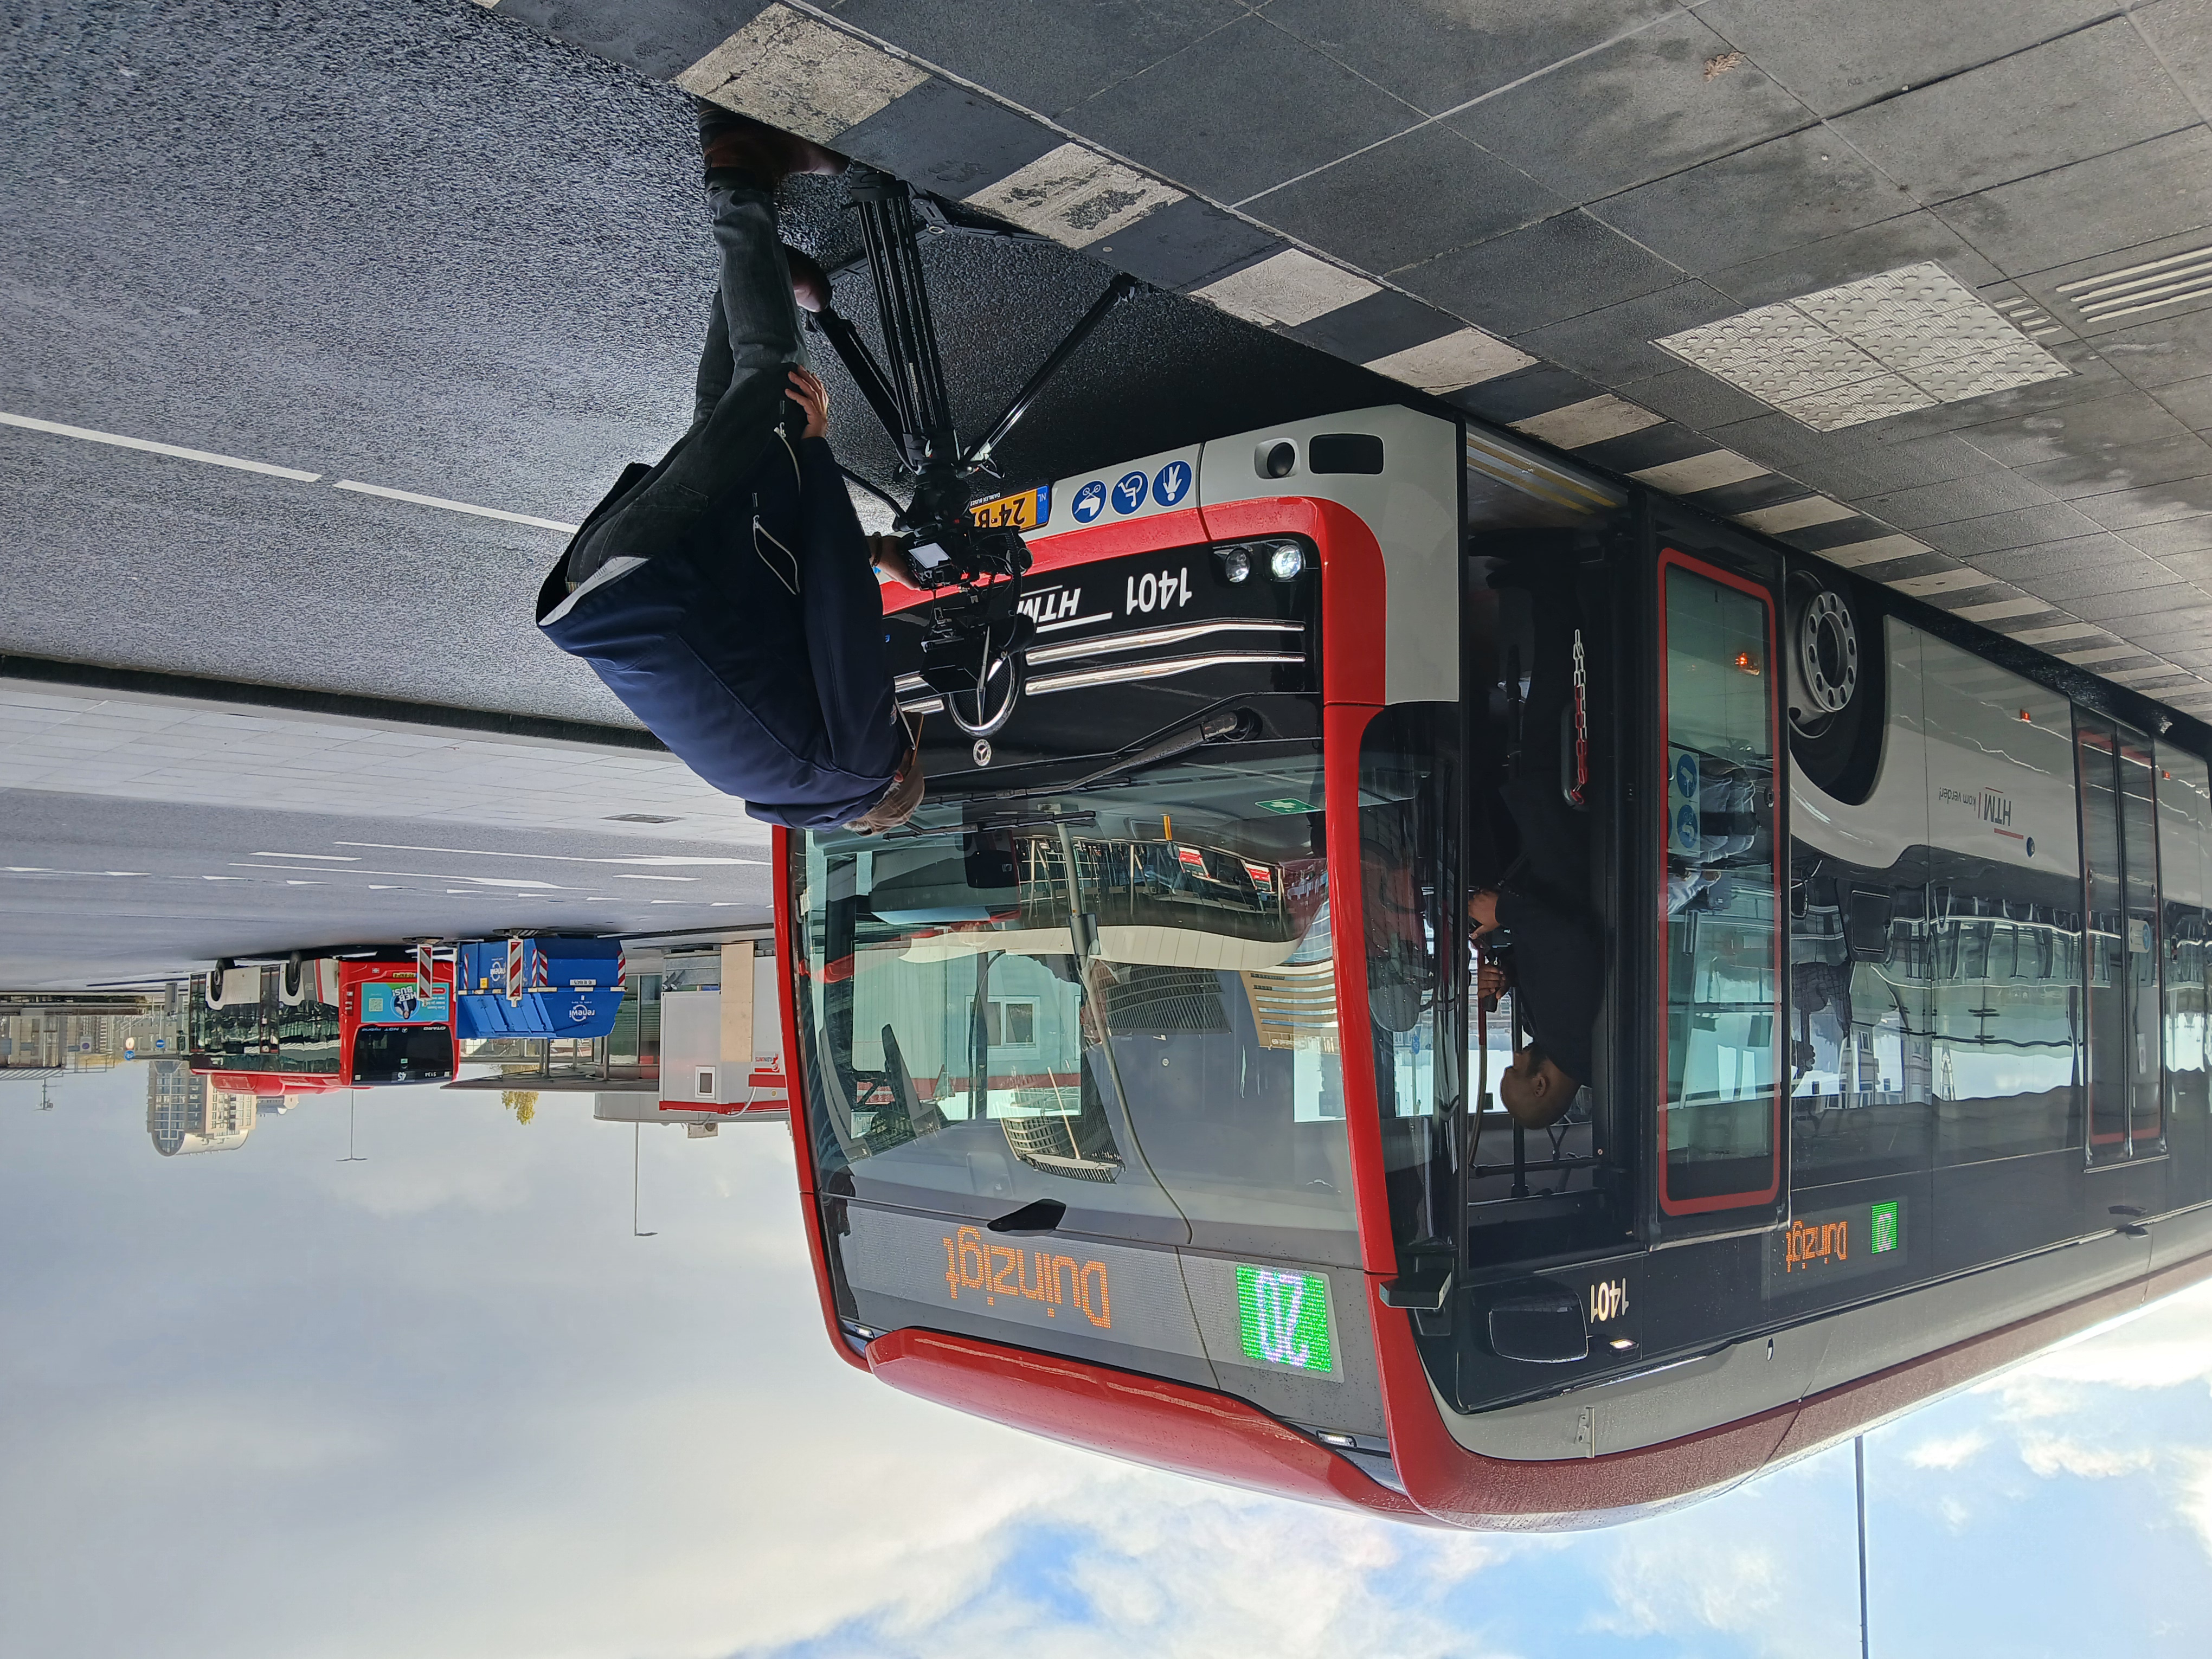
x,y
1030,510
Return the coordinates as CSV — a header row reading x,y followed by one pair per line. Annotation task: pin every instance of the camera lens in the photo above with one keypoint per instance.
x,y
1277,460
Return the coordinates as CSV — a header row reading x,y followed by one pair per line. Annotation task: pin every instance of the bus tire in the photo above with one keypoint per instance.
x,y
1837,685
215,981
292,976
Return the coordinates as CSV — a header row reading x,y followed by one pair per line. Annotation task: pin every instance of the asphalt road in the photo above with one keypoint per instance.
x,y
102,891
411,244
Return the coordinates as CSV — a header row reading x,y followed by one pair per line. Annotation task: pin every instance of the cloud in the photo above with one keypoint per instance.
x,y
1129,1561
1687,1585
461,1410
2163,1346
2047,1455
1947,1451
2195,1501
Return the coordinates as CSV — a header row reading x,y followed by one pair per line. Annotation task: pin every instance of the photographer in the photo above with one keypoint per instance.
x,y
725,594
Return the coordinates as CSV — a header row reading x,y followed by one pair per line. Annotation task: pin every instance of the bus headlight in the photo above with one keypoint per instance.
x,y
1235,563
1287,561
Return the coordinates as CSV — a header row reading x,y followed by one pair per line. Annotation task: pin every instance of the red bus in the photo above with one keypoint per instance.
x,y
318,1023
1139,1082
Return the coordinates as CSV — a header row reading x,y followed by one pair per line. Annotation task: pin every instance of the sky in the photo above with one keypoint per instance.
x,y
442,1402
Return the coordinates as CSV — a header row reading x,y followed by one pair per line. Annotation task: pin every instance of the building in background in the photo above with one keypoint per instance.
x,y
52,1031
186,1114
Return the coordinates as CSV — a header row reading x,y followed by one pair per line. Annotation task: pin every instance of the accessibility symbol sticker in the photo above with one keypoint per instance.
x,y
1171,484
1129,492
1090,502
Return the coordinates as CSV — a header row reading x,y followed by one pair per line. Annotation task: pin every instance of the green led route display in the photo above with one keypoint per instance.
x,y
1882,1228
1283,1318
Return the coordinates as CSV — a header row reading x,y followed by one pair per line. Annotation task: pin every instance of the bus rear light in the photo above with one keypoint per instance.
x,y
1331,1437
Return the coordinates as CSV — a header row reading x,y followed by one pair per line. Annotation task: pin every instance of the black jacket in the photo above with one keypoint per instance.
x,y
745,629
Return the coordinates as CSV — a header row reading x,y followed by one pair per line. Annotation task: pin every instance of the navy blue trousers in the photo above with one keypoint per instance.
x,y
725,594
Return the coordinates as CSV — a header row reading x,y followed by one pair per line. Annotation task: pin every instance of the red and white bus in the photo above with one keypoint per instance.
x,y
320,1023
1141,1108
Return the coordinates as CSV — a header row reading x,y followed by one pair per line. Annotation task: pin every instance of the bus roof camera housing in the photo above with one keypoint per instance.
x,y
973,652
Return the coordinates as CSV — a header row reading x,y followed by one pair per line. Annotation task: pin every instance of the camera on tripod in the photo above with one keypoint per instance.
x,y
972,653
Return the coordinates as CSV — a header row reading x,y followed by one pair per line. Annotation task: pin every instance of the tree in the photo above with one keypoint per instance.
x,y
523,1102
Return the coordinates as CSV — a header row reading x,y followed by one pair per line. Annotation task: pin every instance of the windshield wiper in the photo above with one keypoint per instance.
x,y
1223,726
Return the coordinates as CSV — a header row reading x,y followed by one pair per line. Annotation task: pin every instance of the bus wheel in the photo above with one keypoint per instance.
x,y
216,978
292,976
1837,686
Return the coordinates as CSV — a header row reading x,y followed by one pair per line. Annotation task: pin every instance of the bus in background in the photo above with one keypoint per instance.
x,y
1139,1082
312,1023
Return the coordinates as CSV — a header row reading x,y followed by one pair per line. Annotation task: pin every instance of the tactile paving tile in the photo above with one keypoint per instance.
x,y
1774,353
1858,402
1910,318
1884,344
1976,377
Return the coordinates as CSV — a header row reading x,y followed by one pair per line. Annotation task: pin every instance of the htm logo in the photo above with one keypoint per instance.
x,y
1997,809
1052,606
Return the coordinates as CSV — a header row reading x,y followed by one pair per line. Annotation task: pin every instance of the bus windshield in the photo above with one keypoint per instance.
x,y
1118,999
403,1054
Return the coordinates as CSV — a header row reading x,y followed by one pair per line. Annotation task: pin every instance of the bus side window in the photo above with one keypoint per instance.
x,y
2184,845
1721,961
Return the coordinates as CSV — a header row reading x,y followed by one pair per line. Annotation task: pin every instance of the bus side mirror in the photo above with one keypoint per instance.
x,y
1540,1325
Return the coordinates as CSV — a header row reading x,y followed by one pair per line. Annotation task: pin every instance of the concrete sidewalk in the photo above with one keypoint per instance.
x,y
203,750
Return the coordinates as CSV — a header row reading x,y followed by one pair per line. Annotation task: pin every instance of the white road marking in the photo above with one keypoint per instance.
x,y
1289,287
89,434
42,870
412,875
798,73
1075,196
662,858
328,858
626,875
29,424
1592,421
360,489
1691,473
1463,358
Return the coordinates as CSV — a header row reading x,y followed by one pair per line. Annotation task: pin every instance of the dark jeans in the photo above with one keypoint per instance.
x,y
753,325
752,340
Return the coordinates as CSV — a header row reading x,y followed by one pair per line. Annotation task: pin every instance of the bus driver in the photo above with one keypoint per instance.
x,y
1558,973
724,594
